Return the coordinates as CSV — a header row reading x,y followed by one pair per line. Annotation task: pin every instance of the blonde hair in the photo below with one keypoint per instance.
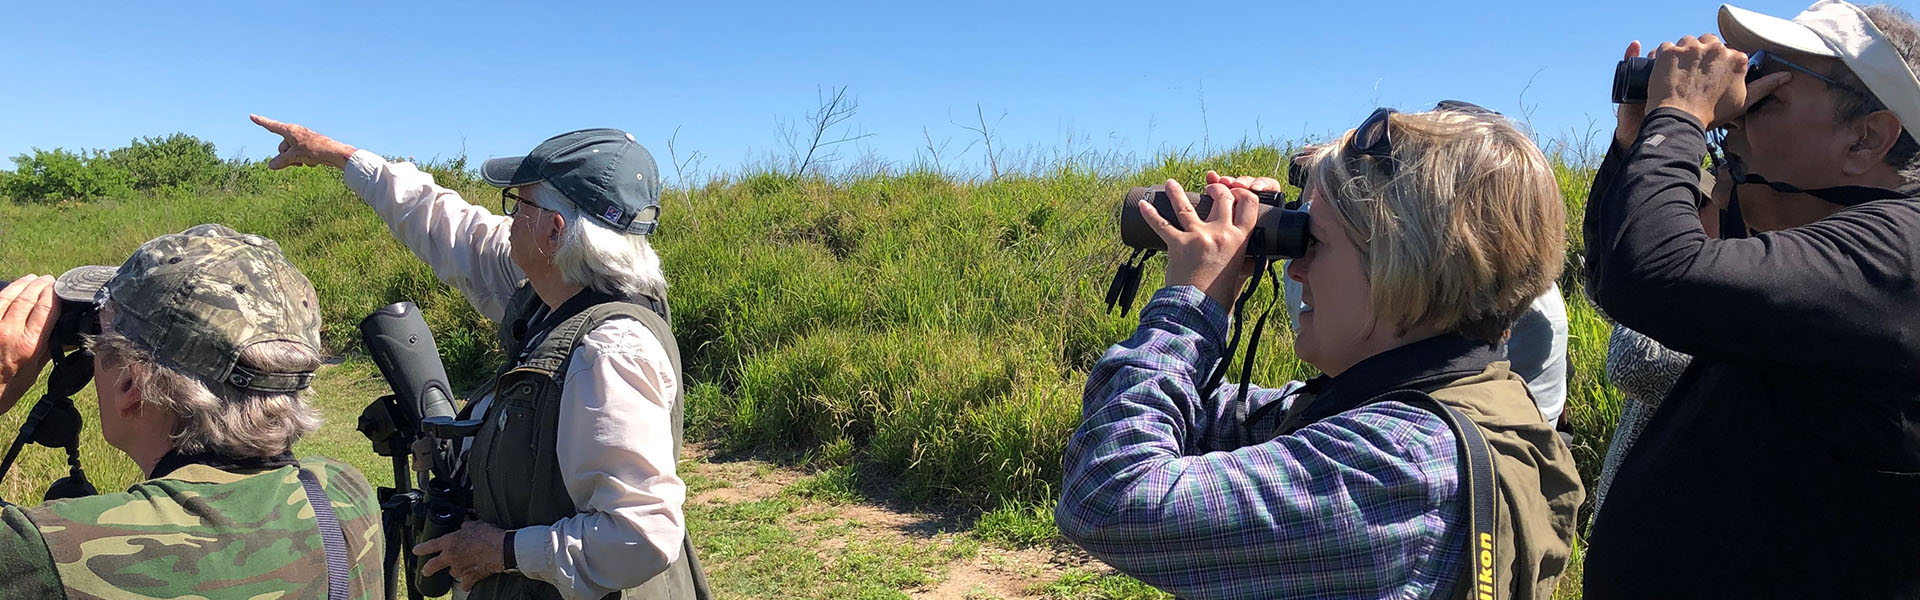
x,y
217,417
1461,233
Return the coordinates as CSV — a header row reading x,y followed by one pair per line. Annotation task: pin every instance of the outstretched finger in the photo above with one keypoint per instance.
x,y
1183,211
271,125
1633,49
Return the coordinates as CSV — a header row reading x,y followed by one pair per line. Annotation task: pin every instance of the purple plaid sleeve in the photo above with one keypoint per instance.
x,y
1185,494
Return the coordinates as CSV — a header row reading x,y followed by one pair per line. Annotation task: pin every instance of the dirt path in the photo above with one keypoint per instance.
x,y
840,530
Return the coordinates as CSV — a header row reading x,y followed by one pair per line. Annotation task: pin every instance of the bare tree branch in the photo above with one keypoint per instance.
x,y
986,137
831,111
679,172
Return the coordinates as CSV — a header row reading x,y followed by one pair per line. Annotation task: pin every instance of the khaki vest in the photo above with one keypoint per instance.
x,y
1538,490
514,462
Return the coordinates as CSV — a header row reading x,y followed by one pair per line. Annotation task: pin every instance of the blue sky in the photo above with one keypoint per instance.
x,y
494,79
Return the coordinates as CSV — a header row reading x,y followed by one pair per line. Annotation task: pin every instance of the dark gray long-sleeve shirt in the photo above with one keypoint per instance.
x,y
1786,462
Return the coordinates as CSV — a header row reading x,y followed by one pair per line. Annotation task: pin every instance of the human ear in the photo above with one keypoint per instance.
x,y
556,230
1874,136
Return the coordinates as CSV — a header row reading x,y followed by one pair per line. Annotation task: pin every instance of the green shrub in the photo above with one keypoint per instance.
x,y
57,174
175,160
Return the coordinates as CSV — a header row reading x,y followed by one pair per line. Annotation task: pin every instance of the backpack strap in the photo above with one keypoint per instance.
x,y
1478,476
552,354
332,538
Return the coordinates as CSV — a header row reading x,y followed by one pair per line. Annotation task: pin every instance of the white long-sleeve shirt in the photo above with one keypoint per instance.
x,y
615,442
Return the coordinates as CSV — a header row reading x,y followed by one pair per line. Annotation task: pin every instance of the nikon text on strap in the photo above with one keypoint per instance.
x,y
1477,476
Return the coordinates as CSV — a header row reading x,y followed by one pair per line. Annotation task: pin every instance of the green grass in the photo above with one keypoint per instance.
x,y
934,329
769,549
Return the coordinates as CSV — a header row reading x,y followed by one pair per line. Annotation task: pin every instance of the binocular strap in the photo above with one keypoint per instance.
x,y
331,537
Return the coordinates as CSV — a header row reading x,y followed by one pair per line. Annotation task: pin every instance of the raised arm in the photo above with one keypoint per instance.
x,y
465,244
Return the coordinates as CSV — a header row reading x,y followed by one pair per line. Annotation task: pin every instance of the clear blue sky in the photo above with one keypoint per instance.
x,y
494,79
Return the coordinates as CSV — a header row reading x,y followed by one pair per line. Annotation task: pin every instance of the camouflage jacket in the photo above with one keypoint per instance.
x,y
197,532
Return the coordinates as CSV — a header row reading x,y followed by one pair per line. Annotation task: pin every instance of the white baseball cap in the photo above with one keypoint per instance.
x,y
1834,29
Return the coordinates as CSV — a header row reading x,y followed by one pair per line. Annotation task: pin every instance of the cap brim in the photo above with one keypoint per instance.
x,y
508,172
1748,31
83,284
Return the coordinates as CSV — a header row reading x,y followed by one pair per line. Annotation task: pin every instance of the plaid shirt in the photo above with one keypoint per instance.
x,y
1195,497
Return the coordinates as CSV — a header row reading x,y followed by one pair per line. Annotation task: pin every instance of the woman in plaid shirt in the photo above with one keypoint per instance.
x,y
1431,233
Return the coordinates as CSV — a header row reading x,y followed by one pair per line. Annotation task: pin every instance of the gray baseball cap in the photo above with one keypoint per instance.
x,y
603,171
197,298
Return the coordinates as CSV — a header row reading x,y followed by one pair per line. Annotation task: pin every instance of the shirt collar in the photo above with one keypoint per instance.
x,y
175,460
1425,365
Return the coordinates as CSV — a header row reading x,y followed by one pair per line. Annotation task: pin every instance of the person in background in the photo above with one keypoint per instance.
x,y
1786,461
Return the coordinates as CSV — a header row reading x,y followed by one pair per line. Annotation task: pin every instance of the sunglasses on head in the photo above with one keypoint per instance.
x,y
1373,139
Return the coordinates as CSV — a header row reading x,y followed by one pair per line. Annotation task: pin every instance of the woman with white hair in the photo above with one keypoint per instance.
x,y
1431,233
589,402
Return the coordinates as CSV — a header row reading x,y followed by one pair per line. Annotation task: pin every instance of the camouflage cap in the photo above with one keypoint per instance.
x,y
197,298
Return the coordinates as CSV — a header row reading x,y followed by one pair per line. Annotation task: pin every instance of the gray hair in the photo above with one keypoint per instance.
x,y
597,257
216,417
1904,34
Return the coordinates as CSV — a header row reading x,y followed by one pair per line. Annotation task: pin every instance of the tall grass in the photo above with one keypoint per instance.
x,y
936,326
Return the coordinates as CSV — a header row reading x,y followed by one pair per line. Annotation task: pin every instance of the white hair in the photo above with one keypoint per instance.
x,y
595,256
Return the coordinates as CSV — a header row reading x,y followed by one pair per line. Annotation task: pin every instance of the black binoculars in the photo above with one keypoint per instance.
x,y
1630,79
79,316
1280,232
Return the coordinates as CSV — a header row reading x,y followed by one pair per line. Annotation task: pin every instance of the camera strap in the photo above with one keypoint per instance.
x,y
332,538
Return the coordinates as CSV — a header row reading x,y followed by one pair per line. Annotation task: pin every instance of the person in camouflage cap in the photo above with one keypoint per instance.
x,y
209,342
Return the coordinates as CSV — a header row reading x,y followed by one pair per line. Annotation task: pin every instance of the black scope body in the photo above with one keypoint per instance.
x,y
402,346
1630,79
1280,232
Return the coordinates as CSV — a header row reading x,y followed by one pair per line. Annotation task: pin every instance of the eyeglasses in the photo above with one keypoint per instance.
x,y
510,202
1760,58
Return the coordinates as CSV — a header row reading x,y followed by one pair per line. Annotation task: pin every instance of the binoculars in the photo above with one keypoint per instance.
x,y
1630,79
1279,233
79,316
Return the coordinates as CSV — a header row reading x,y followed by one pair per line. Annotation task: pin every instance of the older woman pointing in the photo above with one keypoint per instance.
x,y
1431,233
574,489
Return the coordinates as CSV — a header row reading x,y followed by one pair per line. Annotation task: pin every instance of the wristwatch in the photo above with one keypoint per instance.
x,y
506,553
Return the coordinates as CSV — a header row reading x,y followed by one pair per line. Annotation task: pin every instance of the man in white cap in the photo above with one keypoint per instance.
x,y
1785,462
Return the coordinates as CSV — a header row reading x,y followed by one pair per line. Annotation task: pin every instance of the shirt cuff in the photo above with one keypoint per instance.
x,y
1675,113
361,170
533,550
1188,307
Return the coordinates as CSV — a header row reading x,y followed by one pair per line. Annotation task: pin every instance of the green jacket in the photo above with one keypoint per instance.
x,y
197,532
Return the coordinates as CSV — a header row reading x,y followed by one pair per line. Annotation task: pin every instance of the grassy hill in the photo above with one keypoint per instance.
x,y
932,328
